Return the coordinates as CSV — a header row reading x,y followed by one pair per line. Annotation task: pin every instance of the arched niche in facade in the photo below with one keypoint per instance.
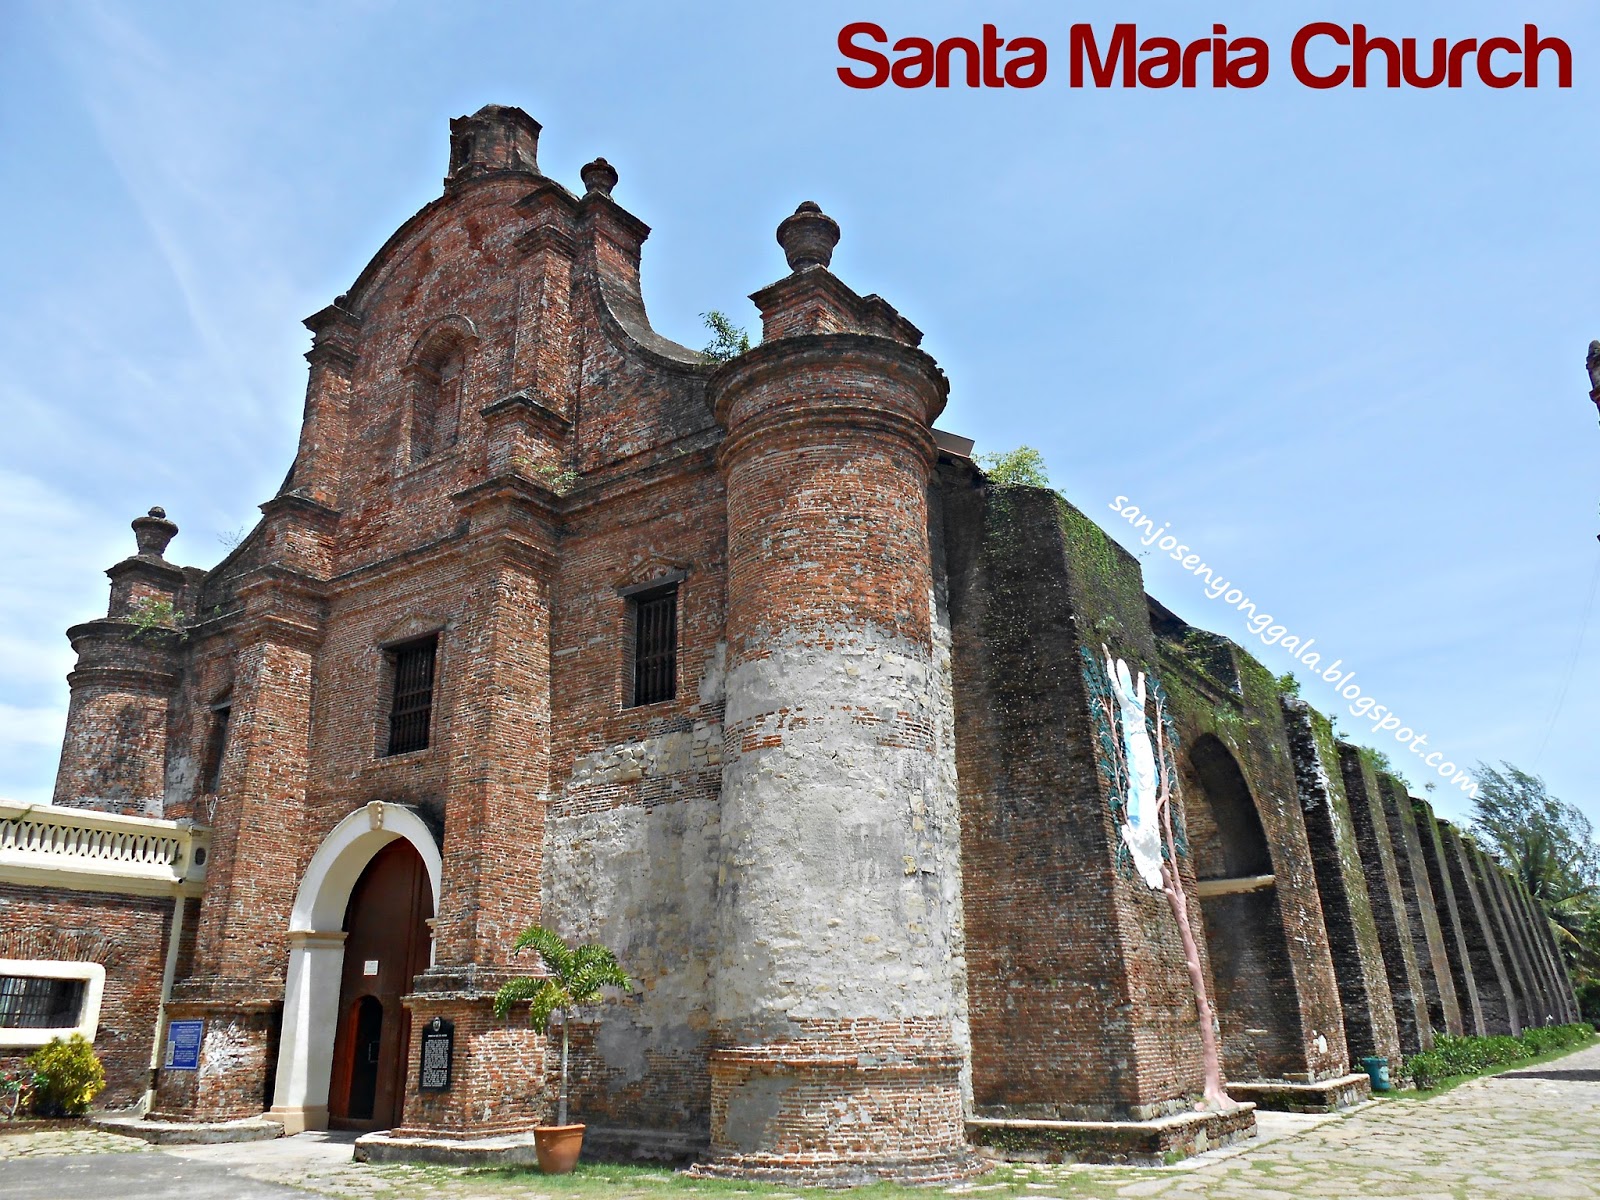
x,y
436,379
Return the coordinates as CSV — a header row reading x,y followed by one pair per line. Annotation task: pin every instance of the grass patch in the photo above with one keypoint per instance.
x,y
593,1180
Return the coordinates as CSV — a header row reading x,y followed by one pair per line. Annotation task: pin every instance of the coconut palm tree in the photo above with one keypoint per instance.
x,y
576,975
1550,846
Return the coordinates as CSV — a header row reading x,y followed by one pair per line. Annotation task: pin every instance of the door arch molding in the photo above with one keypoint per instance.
x,y
316,953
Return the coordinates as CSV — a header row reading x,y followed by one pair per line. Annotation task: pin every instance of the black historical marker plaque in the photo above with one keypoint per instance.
x,y
438,1048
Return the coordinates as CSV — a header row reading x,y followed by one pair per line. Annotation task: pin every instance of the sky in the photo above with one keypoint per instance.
x,y
1333,338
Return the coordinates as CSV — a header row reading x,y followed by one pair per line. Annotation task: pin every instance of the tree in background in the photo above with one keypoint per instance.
x,y
1550,846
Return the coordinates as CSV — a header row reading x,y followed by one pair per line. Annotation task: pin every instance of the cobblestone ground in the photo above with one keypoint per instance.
x,y
1531,1132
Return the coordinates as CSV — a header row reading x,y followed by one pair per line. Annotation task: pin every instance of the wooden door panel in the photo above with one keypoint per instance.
x,y
386,946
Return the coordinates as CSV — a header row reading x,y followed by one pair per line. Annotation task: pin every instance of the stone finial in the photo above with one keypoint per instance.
x,y
808,237
153,531
1593,363
599,176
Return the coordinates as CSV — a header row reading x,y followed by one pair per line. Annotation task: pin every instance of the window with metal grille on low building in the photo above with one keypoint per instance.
x,y
31,1003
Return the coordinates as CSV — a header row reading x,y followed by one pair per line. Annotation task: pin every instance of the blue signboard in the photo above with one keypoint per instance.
x,y
183,1045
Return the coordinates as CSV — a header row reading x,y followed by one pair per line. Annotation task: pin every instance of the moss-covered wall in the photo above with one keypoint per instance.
x,y
1277,992
1541,943
1448,906
1111,614
1487,876
1079,1000
1497,998
1389,911
1536,1008
1336,917
1444,1011
1368,1008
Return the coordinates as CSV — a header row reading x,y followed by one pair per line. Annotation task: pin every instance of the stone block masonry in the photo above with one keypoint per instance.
x,y
1390,909
1497,999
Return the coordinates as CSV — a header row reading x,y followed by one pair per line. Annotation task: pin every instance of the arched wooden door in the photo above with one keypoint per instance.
x,y
386,946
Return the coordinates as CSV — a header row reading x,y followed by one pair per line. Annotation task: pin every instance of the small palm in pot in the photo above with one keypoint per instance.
x,y
576,977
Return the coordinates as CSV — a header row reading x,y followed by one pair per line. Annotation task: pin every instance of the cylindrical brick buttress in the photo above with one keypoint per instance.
x,y
837,1051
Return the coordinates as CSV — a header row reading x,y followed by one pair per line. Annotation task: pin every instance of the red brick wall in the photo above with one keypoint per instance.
x,y
128,936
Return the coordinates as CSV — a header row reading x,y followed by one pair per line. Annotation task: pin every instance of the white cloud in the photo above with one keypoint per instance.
x,y
31,727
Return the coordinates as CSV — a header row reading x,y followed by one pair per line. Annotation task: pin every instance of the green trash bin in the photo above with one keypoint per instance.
x,y
1377,1070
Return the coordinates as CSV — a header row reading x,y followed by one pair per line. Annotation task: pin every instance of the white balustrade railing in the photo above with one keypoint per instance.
x,y
84,845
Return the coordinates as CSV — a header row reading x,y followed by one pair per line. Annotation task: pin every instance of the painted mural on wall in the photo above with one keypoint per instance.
x,y
1136,776
1135,751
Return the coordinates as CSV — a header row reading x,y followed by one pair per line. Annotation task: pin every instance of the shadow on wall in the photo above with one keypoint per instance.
x,y
1255,991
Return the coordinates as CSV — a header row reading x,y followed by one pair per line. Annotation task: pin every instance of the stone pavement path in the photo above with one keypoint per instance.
x,y
1525,1134
1529,1133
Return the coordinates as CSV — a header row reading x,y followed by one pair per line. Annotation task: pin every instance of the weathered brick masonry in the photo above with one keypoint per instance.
x,y
1365,1000
126,935
861,850
98,897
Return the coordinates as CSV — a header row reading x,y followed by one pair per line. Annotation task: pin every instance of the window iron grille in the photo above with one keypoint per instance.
x,y
27,1002
655,648
412,707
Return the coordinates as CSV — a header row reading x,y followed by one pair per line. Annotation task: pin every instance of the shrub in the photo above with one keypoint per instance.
x,y
1453,1056
727,339
69,1077
1555,1037
1022,467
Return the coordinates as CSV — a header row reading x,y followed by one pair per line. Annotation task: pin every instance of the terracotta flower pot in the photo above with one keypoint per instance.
x,y
558,1147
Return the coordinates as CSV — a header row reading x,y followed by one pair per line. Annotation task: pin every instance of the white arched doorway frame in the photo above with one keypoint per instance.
x,y
316,953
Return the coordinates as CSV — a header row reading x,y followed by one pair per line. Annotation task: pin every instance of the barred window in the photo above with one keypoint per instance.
x,y
32,1003
655,646
412,706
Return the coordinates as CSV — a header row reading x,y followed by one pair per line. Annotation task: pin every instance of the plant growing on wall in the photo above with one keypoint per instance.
x,y
150,614
1135,755
576,977
727,339
1022,467
557,478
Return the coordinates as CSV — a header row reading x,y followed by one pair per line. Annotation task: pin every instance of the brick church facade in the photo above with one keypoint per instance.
x,y
747,671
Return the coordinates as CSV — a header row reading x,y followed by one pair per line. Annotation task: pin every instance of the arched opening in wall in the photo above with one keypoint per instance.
x,y
386,946
363,900
1256,1000
436,379
360,1059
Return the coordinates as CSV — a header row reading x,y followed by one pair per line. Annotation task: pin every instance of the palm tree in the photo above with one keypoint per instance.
x,y
575,978
1550,846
